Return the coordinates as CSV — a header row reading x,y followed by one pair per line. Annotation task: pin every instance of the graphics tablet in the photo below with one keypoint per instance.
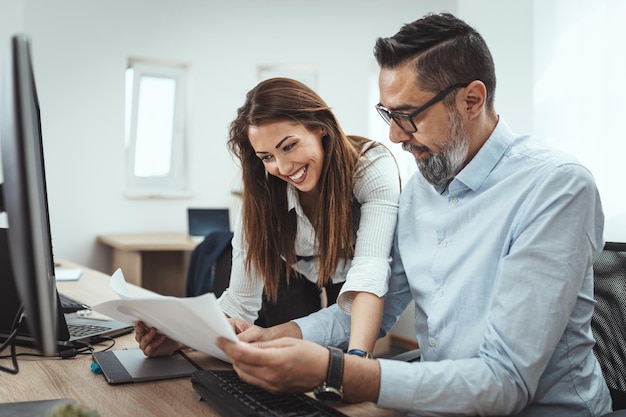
x,y
131,365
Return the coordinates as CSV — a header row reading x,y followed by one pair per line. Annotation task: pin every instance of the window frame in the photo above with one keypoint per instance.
x,y
175,183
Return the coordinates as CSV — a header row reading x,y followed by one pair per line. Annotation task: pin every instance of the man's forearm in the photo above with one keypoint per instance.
x,y
361,376
361,379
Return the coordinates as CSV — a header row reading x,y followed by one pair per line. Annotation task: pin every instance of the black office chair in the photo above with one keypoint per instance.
x,y
609,320
209,265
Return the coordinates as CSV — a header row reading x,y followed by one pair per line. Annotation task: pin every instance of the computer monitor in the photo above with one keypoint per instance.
x,y
23,197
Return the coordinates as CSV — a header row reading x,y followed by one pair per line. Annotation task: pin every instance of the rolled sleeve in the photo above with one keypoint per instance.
x,y
369,271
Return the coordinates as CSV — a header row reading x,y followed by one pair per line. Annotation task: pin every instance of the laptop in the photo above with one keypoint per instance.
x,y
202,221
71,328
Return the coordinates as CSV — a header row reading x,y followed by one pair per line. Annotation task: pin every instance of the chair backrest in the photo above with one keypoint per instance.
x,y
609,319
209,265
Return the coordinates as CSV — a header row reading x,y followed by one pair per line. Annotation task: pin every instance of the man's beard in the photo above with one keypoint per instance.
x,y
439,169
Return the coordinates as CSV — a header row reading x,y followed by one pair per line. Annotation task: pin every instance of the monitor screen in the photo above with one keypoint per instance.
x,y
23,197
202,221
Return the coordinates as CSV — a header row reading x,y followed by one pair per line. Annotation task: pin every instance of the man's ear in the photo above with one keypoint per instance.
x,y
474,98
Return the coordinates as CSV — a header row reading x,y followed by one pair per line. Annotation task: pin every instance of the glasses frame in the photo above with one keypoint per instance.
x,y
398,117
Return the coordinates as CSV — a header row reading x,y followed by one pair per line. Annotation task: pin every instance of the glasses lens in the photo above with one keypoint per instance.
x,y
402,120
384,113
405,123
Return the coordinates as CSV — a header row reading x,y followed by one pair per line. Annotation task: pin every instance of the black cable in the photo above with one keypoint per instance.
x,y
17,322
78,347
102,339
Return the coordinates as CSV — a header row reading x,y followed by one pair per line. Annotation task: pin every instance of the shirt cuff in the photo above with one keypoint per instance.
x,y
237,309
326,327
398,384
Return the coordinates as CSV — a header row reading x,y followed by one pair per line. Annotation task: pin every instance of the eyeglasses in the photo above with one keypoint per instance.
x,y
406,121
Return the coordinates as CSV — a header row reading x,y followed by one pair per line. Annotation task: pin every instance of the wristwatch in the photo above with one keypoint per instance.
x,y
361,353
332,390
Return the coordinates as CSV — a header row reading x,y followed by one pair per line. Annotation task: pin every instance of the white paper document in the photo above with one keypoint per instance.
x,y
118,283
194,321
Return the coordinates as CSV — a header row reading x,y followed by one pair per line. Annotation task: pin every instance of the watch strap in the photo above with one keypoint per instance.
x,y
361,353
335,368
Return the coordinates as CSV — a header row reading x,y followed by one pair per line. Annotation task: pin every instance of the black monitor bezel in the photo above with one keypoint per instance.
x,y
25,197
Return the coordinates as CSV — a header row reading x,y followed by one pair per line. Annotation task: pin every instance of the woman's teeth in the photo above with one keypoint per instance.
x,y
298,175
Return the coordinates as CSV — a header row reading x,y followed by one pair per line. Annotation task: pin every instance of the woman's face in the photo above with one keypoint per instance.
x,y
290,152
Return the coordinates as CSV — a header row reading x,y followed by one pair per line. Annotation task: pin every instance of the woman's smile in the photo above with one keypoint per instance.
x,y
299,176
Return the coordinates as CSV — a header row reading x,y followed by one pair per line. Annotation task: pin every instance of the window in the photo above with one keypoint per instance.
x,y
156,129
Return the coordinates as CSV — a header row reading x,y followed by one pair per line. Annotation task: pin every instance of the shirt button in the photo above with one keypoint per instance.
x,y
454,200
443,244
440,293
432,342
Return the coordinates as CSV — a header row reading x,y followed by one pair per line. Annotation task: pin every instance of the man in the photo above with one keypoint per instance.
x,y
495,245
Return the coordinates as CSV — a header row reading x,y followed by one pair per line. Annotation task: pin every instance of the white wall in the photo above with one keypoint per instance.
x,y
80,50
579,91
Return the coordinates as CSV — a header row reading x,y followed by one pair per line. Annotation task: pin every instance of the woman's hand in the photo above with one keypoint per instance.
x,y
247,332
238,325
153,343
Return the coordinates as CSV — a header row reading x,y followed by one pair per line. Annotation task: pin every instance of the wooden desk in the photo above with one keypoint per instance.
x,y
49,378
157,261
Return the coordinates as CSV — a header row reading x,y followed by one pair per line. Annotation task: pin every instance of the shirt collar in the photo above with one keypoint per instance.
x,y
293,202
488,156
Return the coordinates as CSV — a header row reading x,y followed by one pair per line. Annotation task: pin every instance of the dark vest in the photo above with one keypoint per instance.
x,y
356,219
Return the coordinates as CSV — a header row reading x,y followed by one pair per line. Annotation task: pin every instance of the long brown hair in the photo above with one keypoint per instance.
x,y
266,223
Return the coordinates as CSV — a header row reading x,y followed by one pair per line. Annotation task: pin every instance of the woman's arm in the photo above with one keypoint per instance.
x,y
377,189
367,310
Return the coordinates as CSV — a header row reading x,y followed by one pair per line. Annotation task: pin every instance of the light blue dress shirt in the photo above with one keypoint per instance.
x,y
499,265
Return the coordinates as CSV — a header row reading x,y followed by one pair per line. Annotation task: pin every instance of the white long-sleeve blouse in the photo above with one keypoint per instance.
x,y
377,189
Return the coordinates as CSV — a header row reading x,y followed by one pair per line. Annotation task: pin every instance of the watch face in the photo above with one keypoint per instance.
x,y
326,393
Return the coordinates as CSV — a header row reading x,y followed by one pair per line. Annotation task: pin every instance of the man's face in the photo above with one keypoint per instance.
x,y
441,145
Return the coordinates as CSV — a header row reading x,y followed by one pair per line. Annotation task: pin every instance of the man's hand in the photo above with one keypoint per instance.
x,y
281,365
294,365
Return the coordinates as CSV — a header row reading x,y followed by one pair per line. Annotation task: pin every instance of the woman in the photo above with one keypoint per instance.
x,y
316,200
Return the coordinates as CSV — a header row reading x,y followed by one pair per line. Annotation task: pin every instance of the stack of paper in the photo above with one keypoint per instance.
x,y
195,321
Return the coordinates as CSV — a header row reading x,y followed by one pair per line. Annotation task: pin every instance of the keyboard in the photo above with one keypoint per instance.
x,y
231,396
80,331
71,305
